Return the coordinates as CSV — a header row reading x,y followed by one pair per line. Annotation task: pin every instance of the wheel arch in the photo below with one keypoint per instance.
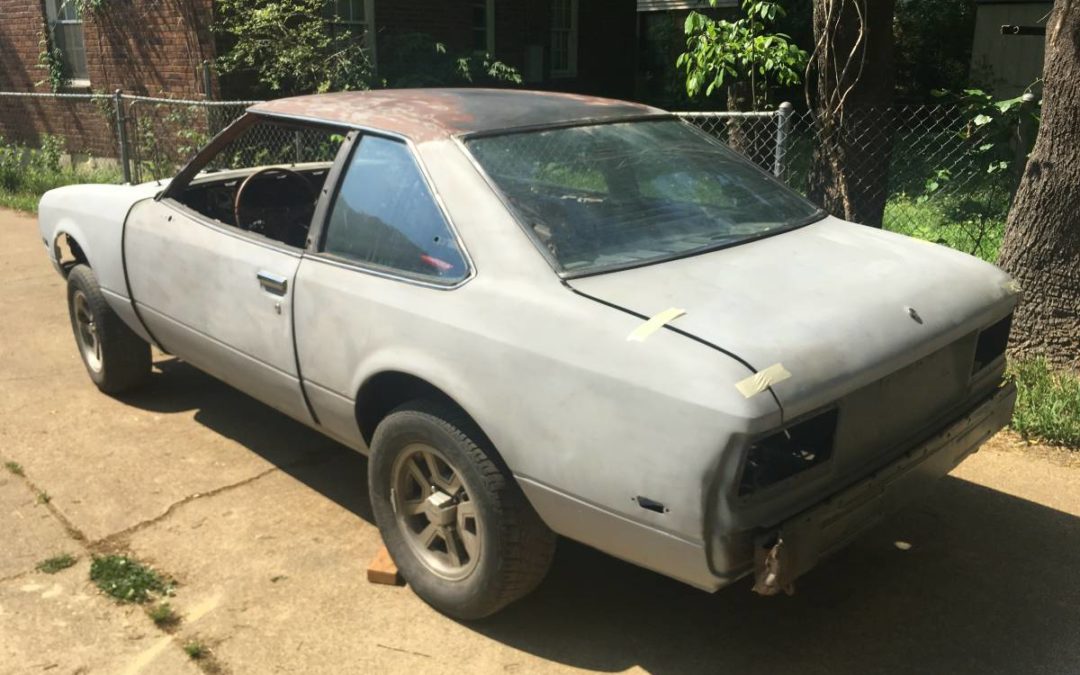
x,y
385,390
68,251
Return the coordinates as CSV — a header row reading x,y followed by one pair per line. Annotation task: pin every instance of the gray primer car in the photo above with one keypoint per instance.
x,y
543,313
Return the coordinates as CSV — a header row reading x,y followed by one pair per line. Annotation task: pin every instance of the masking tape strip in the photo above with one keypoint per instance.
x,y
762,380
654,324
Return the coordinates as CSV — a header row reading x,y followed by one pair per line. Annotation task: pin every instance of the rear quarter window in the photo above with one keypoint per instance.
x,y
385,216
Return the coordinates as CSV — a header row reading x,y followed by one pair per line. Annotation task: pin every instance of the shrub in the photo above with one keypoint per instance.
x,y
26,172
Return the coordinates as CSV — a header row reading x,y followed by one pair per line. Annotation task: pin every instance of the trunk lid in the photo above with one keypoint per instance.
x,y
839,305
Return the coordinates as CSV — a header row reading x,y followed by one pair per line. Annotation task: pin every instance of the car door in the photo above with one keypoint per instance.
x,y
217,299
217,295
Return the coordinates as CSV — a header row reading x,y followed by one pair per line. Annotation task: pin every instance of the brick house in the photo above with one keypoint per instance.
x,y
158,47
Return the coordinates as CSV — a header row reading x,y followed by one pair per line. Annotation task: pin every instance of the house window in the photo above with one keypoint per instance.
x,y
483,26
357,17
564,38
66,30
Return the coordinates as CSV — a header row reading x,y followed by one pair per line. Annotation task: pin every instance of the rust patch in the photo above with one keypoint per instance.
x,y
773,570
432,114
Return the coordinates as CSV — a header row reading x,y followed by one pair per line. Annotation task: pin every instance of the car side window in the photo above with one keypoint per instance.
x,y
385,216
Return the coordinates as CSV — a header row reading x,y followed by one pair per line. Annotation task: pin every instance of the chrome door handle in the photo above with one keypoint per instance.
x,y
274,283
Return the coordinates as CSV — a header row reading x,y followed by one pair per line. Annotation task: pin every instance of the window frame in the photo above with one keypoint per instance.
x,y
321,219
327,197
489,24
368,25
52,20
571,69
182,181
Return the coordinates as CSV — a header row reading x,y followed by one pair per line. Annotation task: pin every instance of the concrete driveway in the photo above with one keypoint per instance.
x,y
265,526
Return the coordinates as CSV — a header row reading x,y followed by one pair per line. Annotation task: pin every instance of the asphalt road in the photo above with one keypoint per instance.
x,y
266,527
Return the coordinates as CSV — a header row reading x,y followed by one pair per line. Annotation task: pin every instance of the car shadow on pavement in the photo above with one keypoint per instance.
x,y
989,585
321,463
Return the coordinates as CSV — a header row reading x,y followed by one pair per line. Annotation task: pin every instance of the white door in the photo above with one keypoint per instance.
x,y
218,298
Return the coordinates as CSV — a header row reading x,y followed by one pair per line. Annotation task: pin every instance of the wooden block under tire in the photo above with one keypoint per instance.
x,y
382,569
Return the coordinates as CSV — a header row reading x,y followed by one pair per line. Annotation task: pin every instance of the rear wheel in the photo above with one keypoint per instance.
x,y
116,359
453,518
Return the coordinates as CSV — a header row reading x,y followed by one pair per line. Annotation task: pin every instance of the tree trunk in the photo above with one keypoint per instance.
x,y
853,62
1041,249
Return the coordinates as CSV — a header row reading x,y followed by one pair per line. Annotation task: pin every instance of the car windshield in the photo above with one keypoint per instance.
x,y
607,196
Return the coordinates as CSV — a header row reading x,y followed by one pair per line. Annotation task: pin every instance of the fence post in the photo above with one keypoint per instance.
x,y
783,117
121,134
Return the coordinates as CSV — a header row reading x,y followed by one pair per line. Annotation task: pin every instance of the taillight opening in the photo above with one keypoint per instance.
x,y
788,452
991,343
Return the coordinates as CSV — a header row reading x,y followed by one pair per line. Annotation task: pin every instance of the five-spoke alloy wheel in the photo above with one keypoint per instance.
x,y
435,512
451,514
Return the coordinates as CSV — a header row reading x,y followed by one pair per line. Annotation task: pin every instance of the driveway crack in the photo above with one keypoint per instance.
x,y
117,539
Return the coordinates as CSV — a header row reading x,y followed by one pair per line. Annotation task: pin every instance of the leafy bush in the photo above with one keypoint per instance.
x,y
720,53
418,60
26,173
1047,403
291,47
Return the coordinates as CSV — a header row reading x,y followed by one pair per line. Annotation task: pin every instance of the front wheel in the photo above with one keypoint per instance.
x,y
116,359
453,518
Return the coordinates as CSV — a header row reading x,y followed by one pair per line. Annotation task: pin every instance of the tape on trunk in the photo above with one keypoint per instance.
x,y
654,324
762,380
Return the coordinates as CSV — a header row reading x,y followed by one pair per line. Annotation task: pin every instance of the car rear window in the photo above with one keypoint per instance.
x,y
605,196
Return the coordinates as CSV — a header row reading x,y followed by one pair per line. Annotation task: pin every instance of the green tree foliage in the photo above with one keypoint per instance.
x,y
721,53
418,60
291,47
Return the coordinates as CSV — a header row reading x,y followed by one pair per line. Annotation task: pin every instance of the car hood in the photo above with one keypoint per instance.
x,y
838,305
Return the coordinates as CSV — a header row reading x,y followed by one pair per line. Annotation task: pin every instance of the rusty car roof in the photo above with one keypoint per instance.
x,y
430,114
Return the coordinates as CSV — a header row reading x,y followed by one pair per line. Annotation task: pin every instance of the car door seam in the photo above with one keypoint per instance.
x,y
127,279
296,344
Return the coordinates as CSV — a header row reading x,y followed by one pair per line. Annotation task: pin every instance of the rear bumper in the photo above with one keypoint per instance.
x,y
785,552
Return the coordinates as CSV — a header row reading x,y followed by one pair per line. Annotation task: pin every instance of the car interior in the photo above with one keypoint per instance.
x,y
275,173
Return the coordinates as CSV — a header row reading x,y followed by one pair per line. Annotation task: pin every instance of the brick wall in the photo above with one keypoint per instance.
x,y
143,47
156,48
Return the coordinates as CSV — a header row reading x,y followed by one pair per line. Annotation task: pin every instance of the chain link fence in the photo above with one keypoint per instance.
x,y
919,166
923,168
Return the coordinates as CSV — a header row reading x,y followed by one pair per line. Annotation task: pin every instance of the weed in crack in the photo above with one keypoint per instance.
x,y
126,579
56,563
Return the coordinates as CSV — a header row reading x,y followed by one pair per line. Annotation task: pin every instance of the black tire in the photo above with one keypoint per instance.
x,y
516,546
116,359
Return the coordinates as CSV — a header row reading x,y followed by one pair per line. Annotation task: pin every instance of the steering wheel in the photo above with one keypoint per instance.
x,y
281,214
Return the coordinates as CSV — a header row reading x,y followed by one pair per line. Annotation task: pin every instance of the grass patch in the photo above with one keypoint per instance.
x,y
942,221
27,173
1047,403
43,497
125,579
163,616
15,468
56,563
196,649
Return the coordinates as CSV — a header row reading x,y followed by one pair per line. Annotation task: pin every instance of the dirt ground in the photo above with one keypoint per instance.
x,y
265,526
